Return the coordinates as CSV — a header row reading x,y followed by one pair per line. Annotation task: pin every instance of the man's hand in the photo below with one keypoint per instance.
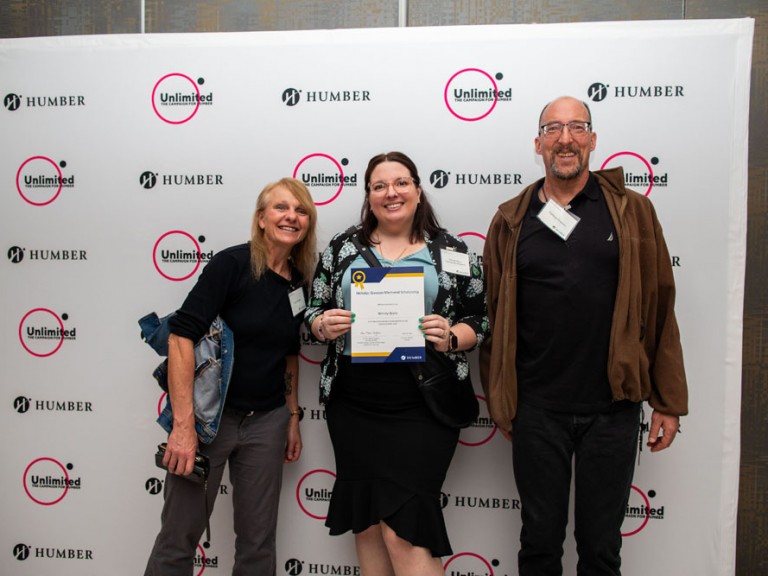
x,y
663,431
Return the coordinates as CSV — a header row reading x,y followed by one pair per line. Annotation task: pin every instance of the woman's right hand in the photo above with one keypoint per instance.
x,y
333,323
181,450
182,441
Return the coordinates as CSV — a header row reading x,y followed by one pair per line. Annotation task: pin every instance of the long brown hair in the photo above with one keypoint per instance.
x,y
425,221
303,255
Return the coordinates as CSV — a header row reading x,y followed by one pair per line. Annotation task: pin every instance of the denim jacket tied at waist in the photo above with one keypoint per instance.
x,y
214,355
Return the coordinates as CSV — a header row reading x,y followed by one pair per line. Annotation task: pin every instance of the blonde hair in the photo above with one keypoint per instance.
x,y
304,254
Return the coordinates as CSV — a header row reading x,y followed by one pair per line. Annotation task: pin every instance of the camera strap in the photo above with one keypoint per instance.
x,y
207,515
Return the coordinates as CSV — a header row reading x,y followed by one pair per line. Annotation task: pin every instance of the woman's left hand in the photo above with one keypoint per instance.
x,y
293,441
437,330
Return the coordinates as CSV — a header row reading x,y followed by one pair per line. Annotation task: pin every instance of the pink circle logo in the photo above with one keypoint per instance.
x,y
313,493
472,235
645,178
468,563
172,98
465,100
39,176
475,242
171,249
48,474
638,513
161,403
201,559
310,353
482,430
316,175
41,332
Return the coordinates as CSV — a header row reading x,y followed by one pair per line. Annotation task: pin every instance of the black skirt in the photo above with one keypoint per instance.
x,y
391,456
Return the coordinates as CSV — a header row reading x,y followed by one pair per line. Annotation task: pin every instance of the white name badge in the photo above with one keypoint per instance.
x,y
298,304
454,262
558,219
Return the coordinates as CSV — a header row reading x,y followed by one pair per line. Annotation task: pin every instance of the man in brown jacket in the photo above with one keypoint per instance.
x,y
583,330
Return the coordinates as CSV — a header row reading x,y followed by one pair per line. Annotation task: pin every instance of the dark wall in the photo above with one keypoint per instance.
x,y
19,18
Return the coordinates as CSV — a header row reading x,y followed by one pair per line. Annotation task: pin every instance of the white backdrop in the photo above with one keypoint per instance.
x,y
113,182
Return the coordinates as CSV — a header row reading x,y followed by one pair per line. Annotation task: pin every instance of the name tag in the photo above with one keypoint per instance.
x,y
454,262
298,304
558,219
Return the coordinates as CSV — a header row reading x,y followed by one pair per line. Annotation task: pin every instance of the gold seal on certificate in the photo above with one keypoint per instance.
x,y
387,303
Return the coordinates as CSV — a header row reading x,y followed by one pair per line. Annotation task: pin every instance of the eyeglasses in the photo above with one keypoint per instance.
x,y
576,128
401,184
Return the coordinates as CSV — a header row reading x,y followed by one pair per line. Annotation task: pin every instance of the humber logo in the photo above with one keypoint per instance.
x,y
439,179
21,551
598,91
12,102
291,96
21,404
294,567
149,179
15,254
153,486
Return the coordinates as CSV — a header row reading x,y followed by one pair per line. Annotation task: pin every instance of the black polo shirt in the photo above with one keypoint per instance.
x,y
565,296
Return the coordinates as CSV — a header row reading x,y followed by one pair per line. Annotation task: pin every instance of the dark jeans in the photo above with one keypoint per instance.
x,y
544,445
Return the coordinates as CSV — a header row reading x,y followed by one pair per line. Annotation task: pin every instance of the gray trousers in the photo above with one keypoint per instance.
x,y
254,446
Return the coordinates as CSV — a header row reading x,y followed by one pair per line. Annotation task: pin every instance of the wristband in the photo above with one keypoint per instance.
x,y
298,412
320,330
453,341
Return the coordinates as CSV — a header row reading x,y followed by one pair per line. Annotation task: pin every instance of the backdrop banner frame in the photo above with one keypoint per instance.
x,y
129,160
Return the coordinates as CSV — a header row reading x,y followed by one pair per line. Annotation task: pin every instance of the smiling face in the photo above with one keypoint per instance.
x,y
393,196
565,157
284,220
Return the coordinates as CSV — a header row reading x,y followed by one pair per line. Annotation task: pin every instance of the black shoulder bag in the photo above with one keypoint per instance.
x,y
451,401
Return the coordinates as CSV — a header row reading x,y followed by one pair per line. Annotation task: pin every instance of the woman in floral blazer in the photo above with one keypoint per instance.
x,y
391,453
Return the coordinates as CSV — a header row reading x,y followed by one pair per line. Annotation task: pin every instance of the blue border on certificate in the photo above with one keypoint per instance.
x,y
400,353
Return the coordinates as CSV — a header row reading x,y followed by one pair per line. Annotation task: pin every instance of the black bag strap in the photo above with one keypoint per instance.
x,y
370,258
364,251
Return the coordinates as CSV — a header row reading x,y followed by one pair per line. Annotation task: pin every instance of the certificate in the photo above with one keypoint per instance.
x,y
387,303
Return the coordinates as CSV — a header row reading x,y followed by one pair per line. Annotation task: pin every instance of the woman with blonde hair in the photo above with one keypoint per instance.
x,y
258,290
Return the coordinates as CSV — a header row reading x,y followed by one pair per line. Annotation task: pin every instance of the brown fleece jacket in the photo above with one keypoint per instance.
x,y
645,358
